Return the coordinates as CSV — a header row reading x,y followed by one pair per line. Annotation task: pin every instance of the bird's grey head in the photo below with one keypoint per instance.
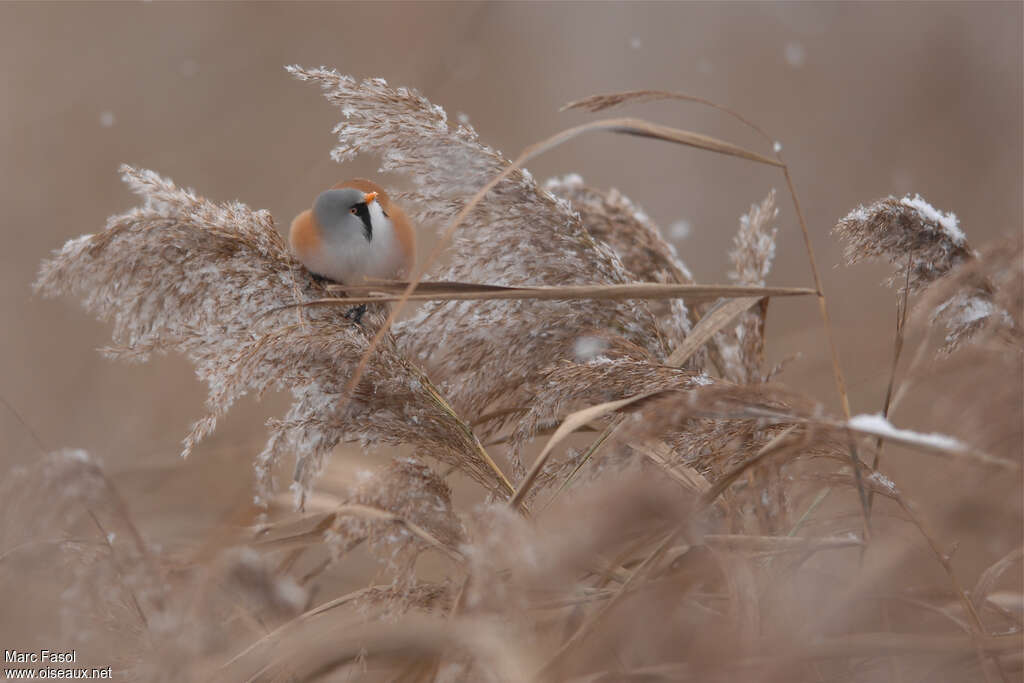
x,y
344,210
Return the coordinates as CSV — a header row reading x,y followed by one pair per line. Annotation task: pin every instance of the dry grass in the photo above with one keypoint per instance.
x,y
710,524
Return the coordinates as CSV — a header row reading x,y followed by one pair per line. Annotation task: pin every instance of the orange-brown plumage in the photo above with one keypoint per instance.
x,y
305,233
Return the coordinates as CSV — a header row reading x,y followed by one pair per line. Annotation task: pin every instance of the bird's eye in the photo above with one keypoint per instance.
x,y
354,211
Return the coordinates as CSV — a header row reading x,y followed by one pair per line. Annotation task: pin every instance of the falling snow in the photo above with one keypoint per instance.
x,y
795,54
679,230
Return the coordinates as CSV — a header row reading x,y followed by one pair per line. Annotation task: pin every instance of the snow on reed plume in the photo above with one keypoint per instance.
x,y
982,297
910,233
519,234
979,306
207,280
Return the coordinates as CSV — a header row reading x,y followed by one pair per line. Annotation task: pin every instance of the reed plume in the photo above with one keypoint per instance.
x,y
922,242
519,234
181,273
711,523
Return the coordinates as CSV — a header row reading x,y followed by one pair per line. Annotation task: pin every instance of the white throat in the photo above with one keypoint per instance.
x,y
350,258
387,259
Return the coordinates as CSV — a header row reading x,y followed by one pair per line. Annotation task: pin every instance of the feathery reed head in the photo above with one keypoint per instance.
x,y
207,280
921,241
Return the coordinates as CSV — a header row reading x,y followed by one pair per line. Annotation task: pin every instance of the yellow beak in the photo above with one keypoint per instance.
x,y
369,197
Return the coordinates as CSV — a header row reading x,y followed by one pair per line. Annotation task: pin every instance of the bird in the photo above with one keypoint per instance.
x,y
354,234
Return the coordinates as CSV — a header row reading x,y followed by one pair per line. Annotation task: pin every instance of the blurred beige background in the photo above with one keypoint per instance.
x,y
867,99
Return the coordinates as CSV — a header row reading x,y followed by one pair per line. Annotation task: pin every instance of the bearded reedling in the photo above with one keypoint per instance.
x,y
354,234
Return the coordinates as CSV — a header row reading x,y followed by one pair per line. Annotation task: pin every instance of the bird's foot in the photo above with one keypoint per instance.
x,y
320,279
355,314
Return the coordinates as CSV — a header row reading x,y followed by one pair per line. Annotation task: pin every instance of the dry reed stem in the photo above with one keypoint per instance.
x,y
902,304
385,516
837,370
587,626
645,290
658,452
713,321
36,441
596,103
989,577
780,442
570,424
777,544
874,644
977,632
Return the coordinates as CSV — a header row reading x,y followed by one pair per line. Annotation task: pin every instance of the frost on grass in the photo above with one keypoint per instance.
x,y
181,273
519,234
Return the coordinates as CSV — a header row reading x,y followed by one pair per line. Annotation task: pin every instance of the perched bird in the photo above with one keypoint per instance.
x,y
354,234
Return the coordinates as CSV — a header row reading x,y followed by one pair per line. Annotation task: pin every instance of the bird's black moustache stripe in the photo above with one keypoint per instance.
x,y
363,211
